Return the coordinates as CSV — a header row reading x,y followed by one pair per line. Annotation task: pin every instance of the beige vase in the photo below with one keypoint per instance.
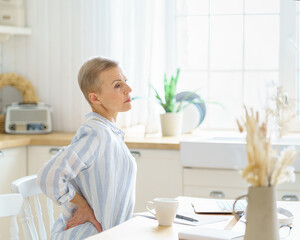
x,y
171,124
262,221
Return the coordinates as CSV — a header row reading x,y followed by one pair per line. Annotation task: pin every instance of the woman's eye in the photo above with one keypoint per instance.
x,y
117,85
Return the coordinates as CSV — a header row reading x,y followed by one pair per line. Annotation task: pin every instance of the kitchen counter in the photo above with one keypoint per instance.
x,y
148,142
154,141
65,138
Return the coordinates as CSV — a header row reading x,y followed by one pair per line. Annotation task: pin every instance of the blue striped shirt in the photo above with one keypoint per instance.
x,y
97,165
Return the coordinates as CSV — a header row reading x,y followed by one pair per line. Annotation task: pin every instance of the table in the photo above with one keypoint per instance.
x,y
144,228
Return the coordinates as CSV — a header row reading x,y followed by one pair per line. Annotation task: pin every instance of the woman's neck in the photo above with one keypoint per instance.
x,y
111,117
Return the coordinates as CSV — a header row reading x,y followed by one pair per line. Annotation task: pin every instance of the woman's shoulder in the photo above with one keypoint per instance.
x,y
90,130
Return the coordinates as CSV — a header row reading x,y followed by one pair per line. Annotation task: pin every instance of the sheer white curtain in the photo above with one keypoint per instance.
x,y
140,31
67,33
131,43
136,33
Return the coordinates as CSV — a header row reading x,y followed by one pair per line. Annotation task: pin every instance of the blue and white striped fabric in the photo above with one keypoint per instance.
x,y
99,166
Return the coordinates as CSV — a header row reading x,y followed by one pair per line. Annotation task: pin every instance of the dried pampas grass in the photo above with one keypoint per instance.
x,y
265,167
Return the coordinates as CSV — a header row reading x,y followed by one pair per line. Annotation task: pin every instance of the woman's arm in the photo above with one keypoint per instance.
x,y
84,213
54,177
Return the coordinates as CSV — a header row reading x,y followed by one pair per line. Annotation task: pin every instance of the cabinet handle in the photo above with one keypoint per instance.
x,y
53,151
217,194
136,154
289,197
1,154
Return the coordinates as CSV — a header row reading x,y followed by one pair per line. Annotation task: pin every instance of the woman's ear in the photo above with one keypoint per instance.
x,y
94,98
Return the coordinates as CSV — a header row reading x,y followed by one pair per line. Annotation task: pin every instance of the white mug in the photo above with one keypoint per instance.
x,y
165,210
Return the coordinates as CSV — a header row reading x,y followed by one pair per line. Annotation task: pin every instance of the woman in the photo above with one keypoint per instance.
x,y
94,177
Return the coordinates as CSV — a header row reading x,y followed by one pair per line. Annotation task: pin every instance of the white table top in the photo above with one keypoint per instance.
x,y
147,229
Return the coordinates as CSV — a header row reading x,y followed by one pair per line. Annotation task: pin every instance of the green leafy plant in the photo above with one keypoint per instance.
x,y
169,102
170,91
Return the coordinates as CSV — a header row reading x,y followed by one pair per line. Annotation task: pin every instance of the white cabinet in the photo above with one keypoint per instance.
x,y
7,31
289,191
159,174
12,166
220,183
213,183
38,156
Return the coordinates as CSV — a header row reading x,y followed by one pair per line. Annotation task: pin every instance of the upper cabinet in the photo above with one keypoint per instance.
x,y
7,31
12,19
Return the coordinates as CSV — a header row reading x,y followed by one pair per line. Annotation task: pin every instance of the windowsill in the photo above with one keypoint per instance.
x,y
138,132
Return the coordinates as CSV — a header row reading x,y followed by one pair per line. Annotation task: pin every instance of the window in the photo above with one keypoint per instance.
x,y
234,51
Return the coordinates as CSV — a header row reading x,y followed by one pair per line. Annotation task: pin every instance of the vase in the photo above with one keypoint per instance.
x,y
171,124
261,215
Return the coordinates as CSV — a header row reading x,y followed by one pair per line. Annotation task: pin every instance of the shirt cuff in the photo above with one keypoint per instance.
x,y
68,196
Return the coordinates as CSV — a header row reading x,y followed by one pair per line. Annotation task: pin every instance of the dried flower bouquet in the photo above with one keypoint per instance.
x,y
266,166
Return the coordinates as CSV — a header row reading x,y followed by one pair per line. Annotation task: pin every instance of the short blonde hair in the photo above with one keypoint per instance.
x,y
89,72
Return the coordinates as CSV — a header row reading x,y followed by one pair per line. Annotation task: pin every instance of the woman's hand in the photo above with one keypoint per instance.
x,y
84,213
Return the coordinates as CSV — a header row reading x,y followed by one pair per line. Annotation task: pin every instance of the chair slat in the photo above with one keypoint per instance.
x,y
27,230
39,215
50,213
28,187
29,214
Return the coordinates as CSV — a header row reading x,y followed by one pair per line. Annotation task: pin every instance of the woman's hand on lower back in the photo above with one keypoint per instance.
x,y
84,213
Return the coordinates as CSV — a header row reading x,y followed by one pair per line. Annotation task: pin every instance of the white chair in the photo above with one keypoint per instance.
x,y
10,206
28,187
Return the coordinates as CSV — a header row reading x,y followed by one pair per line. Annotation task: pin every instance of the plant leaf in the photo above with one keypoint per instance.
x,y
186,97
157,96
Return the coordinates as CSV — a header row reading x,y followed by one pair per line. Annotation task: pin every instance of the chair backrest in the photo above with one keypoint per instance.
x,y
10,206
28,187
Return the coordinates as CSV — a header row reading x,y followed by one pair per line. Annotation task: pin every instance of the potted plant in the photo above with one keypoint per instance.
x,y
171,120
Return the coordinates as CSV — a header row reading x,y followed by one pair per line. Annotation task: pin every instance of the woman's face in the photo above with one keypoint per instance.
x,y
114,92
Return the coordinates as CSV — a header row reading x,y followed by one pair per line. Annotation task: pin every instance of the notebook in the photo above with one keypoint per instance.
x,y
219,207
201,233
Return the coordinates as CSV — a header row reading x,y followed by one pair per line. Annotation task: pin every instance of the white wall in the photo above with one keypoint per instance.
x,y
66,33
51,56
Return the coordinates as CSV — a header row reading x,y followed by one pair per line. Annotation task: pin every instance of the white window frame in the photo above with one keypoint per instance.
x,y
288,53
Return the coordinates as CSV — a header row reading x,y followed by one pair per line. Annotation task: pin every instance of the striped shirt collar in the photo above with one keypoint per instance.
x,y
98,117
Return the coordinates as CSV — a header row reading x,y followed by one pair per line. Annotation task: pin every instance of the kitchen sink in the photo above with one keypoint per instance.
x,y
225,152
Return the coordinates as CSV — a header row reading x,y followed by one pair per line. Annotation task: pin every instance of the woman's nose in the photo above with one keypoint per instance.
x,y
128,89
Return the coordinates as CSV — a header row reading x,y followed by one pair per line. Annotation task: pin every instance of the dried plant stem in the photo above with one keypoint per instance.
x,y
265,168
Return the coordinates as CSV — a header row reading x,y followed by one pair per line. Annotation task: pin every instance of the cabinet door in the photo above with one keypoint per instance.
x,y
229,184
213,183
289,191
12,167
38,156
159,174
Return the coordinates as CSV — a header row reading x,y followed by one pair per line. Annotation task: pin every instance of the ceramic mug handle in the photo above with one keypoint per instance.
x,y
150,206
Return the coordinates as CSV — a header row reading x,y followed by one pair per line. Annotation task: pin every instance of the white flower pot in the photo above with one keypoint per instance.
x,y
171,124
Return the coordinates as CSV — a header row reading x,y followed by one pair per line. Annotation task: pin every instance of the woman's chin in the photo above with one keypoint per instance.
x,y
126,107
